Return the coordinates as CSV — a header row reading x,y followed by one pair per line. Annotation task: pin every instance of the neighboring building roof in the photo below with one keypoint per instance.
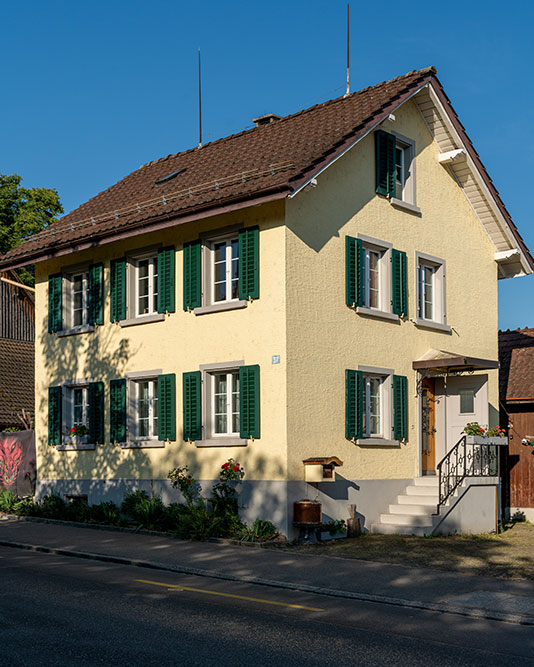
x,y
265,163
16,380
516,354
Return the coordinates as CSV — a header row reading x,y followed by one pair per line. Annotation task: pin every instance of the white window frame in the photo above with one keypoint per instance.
x,y
407,199
209,241
133,439
439,291
67,415
67,300
133,316
384,438
209,437
152,259
384,311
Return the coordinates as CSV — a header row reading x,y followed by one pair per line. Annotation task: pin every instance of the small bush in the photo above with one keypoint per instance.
x,y
106,513
53,507
77,510
7,500
198,523
26,507
148,512
260,531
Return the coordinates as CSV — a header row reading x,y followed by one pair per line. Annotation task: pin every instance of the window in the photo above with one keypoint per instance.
x,y
222,404
76,414
467,401
75,299
395,169
431,302
372,416
221,271
224,270
146,409
142,286
143,409
146,285
376,407
375,278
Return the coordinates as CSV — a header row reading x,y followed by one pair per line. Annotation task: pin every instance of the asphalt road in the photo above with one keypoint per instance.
x,y
59,611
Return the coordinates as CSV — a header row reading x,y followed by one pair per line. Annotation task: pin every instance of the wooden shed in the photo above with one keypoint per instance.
x,y
516,356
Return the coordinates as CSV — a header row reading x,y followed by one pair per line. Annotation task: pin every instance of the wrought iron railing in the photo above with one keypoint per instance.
x,y
465,460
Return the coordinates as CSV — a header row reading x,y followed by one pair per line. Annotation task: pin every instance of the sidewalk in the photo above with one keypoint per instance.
x,y
423,588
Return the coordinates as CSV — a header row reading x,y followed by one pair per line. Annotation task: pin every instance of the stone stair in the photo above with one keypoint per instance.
x,y
414,511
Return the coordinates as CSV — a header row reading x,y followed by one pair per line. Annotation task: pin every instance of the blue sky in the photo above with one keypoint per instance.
x,y
92,90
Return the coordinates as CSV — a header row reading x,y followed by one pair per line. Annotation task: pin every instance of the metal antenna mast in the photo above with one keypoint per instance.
x,y
348,79
199,104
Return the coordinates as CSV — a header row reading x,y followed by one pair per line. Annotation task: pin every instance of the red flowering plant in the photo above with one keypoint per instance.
x,y
474,428
231,471
78,431
188,485
224,495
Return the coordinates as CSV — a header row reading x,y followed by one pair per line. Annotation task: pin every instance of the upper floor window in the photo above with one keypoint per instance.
x,y
142,286
221,271
375,277
431,292
75,299
395,168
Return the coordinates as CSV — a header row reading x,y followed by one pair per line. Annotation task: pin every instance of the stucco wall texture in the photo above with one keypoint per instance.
x,y
325,337
301,315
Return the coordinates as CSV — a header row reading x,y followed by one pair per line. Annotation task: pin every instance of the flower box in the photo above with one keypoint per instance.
x,y
484,440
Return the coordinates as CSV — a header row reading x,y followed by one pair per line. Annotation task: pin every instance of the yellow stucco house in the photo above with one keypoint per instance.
x,y
322,287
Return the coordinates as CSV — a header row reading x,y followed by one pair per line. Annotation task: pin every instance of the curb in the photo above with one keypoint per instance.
x,y
305,588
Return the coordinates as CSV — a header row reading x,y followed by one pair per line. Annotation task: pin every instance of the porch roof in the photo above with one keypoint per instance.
x,y
441,360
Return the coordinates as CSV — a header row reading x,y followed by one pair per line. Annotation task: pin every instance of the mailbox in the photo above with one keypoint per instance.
x,y
321,468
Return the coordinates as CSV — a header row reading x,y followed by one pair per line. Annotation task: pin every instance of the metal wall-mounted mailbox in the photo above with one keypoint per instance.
x,y
321,468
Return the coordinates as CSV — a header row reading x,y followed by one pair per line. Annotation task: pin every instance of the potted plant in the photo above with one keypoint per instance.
x,y
477,435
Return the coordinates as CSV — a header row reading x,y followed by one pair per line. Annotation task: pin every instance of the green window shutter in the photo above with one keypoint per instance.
x,y
117,419
353,272
96,294
353,404
166,280
249,283
54,415
400,407
385,145
249,401
118,290
192,406
55,299
96,412
399,283
192,275
167,407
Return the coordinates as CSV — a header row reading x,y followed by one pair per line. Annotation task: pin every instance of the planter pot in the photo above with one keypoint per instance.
x,y
307,512
483,440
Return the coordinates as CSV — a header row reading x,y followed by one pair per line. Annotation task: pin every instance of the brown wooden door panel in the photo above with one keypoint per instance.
x,y
521,457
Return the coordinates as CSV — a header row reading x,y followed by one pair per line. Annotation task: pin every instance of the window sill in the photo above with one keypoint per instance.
x,y
220,442
399,203
219,307
84,328
142,319
379,314
75,446
142,444
429,324
378,442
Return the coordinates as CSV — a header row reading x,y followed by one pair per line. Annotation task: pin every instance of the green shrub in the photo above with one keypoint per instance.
x,y
260,531
77,510
198,523
53,507
148,512
106,513
174,514
7,500
26,507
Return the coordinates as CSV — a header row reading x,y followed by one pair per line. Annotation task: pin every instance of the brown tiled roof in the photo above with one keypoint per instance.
x,y
266,162
516,355
273,158
16,380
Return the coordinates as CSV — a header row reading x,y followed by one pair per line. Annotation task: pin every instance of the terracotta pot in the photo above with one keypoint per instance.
x,y
307,511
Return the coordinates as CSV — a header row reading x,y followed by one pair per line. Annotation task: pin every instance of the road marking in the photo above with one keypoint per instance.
x,y
227,595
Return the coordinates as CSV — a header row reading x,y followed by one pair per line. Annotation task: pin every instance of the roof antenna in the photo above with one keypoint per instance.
x,y
199,104
348,79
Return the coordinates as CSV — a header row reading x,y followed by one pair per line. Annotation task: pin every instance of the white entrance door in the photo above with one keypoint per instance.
x,y
466,401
